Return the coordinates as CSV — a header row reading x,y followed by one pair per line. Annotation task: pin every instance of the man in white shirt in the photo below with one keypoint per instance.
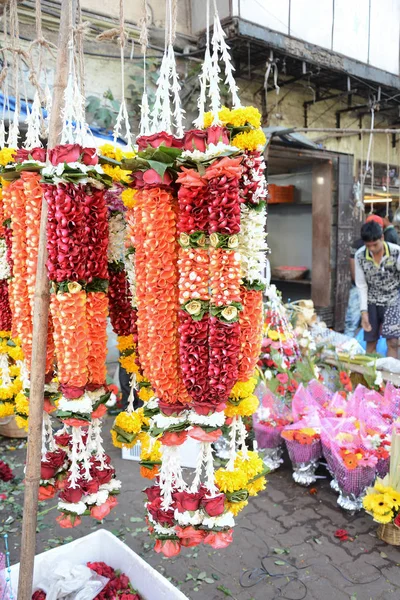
x,y
377,271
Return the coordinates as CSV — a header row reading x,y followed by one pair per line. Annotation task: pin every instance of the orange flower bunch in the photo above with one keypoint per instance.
x,y
20,303
33,202
6,198
251,332
71,336
305,436
2,217
159,294
224,276
96,317
355,457
193,267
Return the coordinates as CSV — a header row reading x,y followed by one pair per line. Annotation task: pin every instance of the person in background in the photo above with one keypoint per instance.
x,y
353,318
389,230
377,277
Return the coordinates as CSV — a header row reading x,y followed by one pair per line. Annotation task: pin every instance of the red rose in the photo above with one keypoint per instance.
x,y
173,438
89,487
21,155
71,392
101,568
100,512
46,492
66,153
39,595
71,495
151,177
217,134
169,548
342,535
6,473
155,140
89,156
171,410
50,466
102,475
186,501
62,439
214,506
129,596
68,521
219,539
164,517
38,154
195,139
152,492
396,521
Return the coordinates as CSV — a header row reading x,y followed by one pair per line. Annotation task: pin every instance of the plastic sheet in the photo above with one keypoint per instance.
x,y
272,458
67,581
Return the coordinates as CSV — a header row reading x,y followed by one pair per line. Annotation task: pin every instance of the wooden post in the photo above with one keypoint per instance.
x,y
39,341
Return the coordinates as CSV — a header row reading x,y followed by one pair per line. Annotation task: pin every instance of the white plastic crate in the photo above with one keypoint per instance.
x,y
188,451
104,546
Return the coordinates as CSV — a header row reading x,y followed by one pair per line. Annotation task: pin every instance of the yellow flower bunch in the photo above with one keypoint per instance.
x,y
14,371
128,362
235,507
8,392
7,156
150,451
130,422
382,502
21,422
237,117
242,389
110,151
245,408
125,342
250,140
146,393
230,481
15,352
257,486
6,409
128,197
251,465
21,404
275,335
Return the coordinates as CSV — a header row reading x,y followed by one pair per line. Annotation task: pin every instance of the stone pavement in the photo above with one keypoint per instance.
x,y
284,546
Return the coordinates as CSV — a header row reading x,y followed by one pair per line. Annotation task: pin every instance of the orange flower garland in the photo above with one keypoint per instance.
x,y
251,326
96,318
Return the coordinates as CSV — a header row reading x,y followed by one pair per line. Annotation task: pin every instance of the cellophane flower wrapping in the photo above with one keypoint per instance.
x,y
352,483
304,403
271,409
304,456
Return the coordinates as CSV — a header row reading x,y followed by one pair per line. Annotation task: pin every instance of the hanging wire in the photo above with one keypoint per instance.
x,y
122,117
367,161
387,173
144,42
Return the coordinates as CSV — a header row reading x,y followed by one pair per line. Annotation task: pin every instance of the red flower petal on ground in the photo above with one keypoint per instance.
x,y
342,534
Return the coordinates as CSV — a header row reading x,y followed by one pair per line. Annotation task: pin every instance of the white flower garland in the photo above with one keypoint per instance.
x,y
252,243
116,243
4,266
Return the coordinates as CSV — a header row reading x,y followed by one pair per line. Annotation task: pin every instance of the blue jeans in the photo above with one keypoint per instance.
x,y
353,315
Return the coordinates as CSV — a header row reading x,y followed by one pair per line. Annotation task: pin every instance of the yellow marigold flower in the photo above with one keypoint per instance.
x,y
6,156
250,140
245,115
251,466
129,364
273,335
145,393
125,342
15,353
225,115
208,119
14,371
128,197
21,422
130,422
110,151
127,154
245,408
140,413
6,409
230,481
257,486
235,507
150,451
21,404
5,334
242,389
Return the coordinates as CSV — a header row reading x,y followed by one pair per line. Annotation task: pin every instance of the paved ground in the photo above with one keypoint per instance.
x,y
284,546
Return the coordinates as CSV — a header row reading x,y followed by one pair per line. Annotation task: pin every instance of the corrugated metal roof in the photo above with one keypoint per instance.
x,y
290,137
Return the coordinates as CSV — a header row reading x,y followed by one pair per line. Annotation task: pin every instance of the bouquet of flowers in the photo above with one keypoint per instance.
x,y
304,446
352,465
268,422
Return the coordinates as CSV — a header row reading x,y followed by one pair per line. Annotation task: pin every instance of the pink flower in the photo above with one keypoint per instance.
x,y
189,536
219,539
89,156
216,134
195,139
100,512
197,433
99,412
169,548
157,139
151,177
173,438
282,377
68,521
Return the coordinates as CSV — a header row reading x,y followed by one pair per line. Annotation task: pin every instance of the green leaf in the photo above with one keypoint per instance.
x,y
159,167
281,551
202,575
136,520
209,580
281,563
225,591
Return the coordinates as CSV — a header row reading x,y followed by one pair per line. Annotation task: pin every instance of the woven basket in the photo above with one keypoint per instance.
x,y
11,430
289,273
389,533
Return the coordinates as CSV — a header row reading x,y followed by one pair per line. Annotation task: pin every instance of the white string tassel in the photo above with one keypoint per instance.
x,y
33,120
175,89
145,115
204,81
98,443
226,57
131,399
232,446
242,438
199,468
214,91
13,133
2,134
75,456
4,370
210,473
160,116
170,474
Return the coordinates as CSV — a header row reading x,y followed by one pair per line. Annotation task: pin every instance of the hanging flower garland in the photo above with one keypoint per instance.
x,y
78,268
